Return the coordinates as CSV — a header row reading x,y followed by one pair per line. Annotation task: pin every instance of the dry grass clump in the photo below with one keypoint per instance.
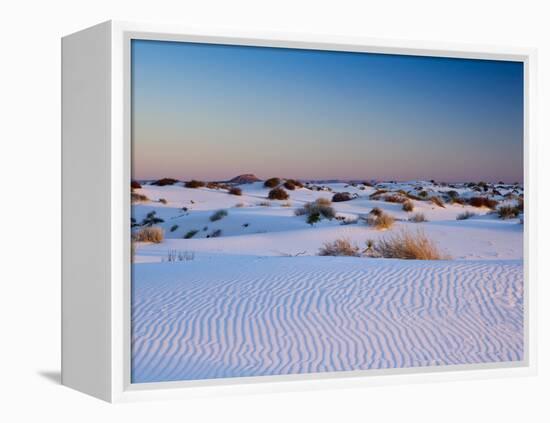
x,y
190,234
137,198
465,215
235,191
272,182
321,207
218,215
376,211
418,218
277,194
341,196
381,221
408,206
135,185
457,200
408,246
340,247
483,202
394,198
150,234
508,212
165,181
377,193
437,201
290,185
193,183
264,204
163,201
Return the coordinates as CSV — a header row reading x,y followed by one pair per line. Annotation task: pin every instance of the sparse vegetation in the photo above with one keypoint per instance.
x,y
286,204
193,183
240,205
483,202
321,207
175,255
408,246
340,247
381,221
190,234
408,206
272,182
437,201
218,215
174,228
376,194
149,234
290,185
165,181
465,215
423,194
235,191
508,212
394,198
376,211
138,198
135,185
264,204
163,201
151,219
313,218
215,234
418,218
277,194
342,196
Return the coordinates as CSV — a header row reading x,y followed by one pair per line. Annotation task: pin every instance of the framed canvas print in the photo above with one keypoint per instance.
x,y
262,212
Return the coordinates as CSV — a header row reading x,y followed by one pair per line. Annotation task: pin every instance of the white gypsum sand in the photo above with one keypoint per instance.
x,y
248,295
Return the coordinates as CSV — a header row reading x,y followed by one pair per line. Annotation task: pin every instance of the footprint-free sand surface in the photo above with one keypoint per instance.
x,y
234,316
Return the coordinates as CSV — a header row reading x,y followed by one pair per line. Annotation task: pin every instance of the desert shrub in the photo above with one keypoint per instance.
x,y
380,222
235,191
483,202
193,183
150,234
395,199
341,196
218,215
277,194
376,211
340,247
508,212
457,200
136,198
165,181
465,215
418,218
190,234
290,185
212,185
321,206
272,182
408,206
173,228
296,183
452,194
135,185
423,194
407,245
313,218
151,219
163,201
437,201
215,234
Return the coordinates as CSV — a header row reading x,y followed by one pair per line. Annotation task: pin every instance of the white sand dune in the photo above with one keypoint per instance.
x,y
243,316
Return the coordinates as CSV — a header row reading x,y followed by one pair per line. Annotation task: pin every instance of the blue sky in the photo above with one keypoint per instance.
x,y
214,111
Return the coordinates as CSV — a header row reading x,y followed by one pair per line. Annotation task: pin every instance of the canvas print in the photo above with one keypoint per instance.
x,y
303,211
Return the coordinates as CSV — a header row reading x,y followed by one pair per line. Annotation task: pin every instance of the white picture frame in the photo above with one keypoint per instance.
x,y
96,189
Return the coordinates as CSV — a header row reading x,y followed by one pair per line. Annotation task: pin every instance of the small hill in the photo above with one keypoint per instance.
x,y
246,178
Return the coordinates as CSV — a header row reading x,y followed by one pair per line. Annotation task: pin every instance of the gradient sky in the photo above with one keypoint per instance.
x,y
212,112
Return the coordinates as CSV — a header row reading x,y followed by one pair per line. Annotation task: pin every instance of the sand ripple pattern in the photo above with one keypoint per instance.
x,y
272,316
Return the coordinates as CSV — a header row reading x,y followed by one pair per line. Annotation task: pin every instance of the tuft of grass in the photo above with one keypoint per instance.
x,y
218,215
173,228
465,215
151,219
264,204
437,201
408,246
457,200
394,198
313,218
418,218
190,234
376,211
290,185
408,206
175,255
483,202
377,193
341,196
272,182
508,212
163,201
138,198
215,234
135,185
278,194
338,248
235,191
193,183
381,222
149,234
